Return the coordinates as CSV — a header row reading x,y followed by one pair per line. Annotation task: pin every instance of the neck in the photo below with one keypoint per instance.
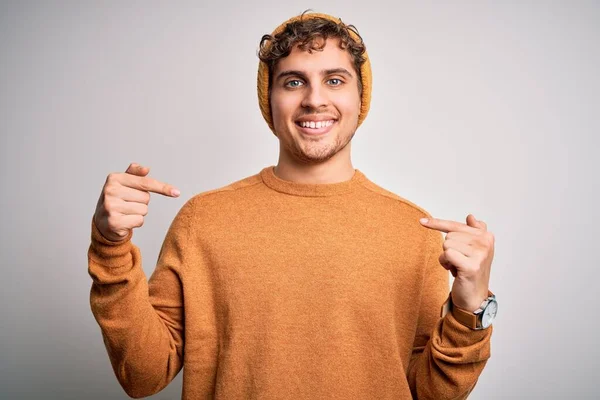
x,y
336,169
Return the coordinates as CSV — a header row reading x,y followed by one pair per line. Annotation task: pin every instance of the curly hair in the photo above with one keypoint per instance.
x,y
306,33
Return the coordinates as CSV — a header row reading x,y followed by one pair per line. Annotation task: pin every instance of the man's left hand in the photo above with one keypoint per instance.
x,y
468,254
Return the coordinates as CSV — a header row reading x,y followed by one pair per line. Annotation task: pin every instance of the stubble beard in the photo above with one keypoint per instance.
x,y
315,152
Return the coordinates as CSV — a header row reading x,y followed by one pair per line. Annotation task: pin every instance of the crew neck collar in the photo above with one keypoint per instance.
x,y
310,189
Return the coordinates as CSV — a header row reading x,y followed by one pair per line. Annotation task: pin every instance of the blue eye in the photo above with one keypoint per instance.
x,y
294,80
336,79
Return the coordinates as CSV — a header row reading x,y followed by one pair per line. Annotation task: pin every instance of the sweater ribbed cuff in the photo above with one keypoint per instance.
x,y
459,343
109,253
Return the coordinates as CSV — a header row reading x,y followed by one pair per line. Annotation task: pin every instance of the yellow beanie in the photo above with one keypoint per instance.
x,y
263,75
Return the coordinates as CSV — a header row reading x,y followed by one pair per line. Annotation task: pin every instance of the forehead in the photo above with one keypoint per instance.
x,y
330,57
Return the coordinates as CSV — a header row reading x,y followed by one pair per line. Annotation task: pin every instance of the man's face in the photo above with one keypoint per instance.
x,y
312,89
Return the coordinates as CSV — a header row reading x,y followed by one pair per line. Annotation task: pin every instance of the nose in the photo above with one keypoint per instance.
x,y
315,97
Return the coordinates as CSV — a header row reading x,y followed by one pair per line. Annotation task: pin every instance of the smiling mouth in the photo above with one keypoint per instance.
x,y
315,124
315,127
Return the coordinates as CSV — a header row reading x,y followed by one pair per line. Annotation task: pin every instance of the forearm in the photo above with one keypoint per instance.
x,y
447,357
451,362
145,350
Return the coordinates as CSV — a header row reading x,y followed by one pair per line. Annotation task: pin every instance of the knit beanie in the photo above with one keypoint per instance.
x,y
263,74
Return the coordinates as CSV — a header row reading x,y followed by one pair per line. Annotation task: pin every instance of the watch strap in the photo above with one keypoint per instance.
x,y
464,317
467,318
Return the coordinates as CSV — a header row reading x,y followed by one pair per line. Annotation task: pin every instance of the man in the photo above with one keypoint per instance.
x,y
305,280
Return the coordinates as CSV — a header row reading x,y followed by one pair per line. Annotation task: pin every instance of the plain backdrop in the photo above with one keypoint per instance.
x,y
478,107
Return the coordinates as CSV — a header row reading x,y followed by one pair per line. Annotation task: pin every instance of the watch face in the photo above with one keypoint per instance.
x,y
489,314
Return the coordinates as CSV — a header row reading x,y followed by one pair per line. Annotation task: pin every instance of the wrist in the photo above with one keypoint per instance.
x,y
470,306
481,318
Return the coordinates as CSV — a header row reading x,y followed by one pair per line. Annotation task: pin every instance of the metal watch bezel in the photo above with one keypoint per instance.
x,y
481,312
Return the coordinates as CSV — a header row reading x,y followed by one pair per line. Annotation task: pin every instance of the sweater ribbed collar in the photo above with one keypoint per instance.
x,y
310,189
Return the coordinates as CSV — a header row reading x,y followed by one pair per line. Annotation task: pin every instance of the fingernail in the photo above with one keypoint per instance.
x,y
175,192
423,220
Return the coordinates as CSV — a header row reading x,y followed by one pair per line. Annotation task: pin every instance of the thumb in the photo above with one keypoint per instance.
x,y
476,223
136,169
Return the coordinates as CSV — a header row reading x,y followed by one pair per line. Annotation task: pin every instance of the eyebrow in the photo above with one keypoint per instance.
x,y
342,71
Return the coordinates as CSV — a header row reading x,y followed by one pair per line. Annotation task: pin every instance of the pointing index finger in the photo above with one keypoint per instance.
x,y
152,185
446,226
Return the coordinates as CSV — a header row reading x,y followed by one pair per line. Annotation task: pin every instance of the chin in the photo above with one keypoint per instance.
x,y
310,158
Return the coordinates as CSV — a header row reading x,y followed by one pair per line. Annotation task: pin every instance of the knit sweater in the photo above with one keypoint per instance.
x,y
273,289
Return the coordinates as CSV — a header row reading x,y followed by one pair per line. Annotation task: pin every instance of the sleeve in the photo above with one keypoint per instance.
x,y
447,357
142,322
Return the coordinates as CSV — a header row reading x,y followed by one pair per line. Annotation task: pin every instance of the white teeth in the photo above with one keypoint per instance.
x,y
315,125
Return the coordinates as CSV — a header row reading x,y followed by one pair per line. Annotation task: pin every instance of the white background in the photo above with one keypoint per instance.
x,y
478,107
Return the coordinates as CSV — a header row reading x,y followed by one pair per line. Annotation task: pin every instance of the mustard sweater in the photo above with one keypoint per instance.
x,y
272,289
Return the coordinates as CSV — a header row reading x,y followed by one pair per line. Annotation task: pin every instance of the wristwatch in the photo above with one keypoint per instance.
x,y
481,318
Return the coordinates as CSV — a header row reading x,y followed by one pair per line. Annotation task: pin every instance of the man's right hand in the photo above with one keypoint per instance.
x,y
124,200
